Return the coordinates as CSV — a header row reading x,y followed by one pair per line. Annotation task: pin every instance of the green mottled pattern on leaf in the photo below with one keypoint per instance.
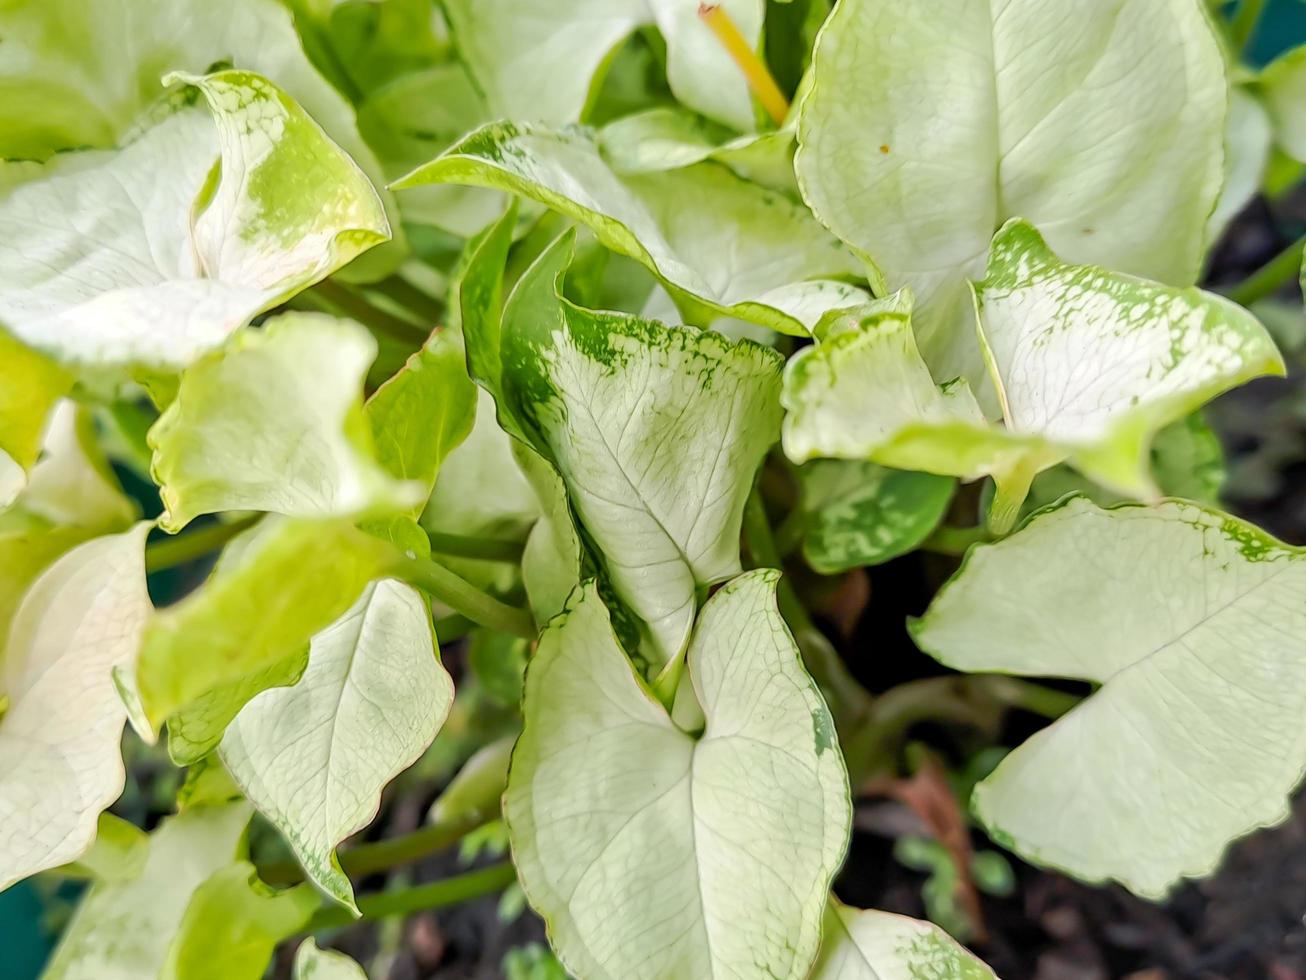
x,y
312,963
274,421
314,757
75,75
232,926
652,853
150,255
60,732
929,125
122,930
1191,622
291,581
869,945
657,432
864,514
735,247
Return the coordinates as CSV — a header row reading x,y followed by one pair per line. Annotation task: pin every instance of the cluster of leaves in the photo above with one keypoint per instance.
x,y
502,306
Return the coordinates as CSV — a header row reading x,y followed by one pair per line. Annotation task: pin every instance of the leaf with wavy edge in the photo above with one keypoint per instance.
x,y
274,421
654,853
864,944
60,729
1191,621
734,247
149,255
1088,366
927,126
314,758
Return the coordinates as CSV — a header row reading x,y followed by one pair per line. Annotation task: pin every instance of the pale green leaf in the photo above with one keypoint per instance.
x,y
232,926
1190,621
312,963
75,75
928,126
1282,85
654,853
314,758
1247,142
864,514
274,422
291,581
60,762
1088,366
473,795
864,944
656,431
734,247
552,560
118,853
538,62
122,929
29,387
143,256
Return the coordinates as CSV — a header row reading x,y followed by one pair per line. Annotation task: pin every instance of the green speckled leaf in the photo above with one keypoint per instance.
x,y
653,853
735,247
863,944
864,514
1192,624
313,758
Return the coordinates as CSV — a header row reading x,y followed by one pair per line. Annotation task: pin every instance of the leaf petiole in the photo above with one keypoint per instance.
x,y
463,597
484,549
1269,277
173,551
435,895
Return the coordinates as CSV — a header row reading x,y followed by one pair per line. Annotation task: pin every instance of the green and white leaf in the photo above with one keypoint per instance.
x,y
865,944
732,246
290,581
150,254
657,433
314,758
539,63
1088,366
274,422
118,853
654,853
312,963
232,926
61,726
123,929
76,75
1191,623
1282,86
861,513
1101,123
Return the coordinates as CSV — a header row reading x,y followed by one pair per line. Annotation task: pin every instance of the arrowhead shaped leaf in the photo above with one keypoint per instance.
x,y
657,432
60,762
1088,366
122,929
863,944
274,421
75,75
1101,123
653,853
735,247
1190,621
315,757
148,255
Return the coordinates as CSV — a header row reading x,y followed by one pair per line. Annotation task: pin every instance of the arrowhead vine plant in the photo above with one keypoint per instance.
x,y
599,339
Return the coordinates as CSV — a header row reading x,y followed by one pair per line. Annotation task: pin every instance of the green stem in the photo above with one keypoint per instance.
x,y
415,301
404,901
174,551
349,303
463,597
1281,269
466,546
1017,692
955,540
1243,27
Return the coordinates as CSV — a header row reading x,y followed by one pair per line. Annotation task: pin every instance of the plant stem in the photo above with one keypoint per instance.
x,y
350,304
466,546
1269,277
173,551
1036,698
750,65
412,299
1243,27
403,901
463,597
955,540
